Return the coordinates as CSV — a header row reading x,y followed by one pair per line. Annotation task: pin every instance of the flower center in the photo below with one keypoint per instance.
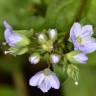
x,y
79,40
47,71
48,46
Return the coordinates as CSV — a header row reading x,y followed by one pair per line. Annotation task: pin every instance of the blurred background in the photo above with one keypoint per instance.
x,y
15,72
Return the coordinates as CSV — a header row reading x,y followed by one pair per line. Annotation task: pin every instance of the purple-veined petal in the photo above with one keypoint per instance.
x,y
82,58
10,36
87,31
88,48
35,79
45,85
75,31
13,39
54,81
6,25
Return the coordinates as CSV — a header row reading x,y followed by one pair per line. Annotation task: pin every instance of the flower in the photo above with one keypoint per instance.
x,y
11,37
77,57
45,80
81,37
34,59
55,58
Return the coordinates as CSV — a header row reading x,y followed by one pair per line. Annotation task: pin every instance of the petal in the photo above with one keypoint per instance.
x,y
8,30
45,85
7,33
87,30
10,36
54,81
6,25
13,39
35,79
81,58
74,33
88,48
75,30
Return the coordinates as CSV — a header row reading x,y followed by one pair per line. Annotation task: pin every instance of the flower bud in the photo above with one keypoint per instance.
x,y
34,59
55,58
42,37
14,39
52,34
77,57
24,42
73,73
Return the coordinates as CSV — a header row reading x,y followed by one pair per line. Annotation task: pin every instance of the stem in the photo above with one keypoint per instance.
x,y
62,90
83,9
19,83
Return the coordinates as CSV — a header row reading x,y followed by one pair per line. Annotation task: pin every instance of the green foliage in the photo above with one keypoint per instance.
x,y
7,91
60,71
87,85
61,13
10,63
89,15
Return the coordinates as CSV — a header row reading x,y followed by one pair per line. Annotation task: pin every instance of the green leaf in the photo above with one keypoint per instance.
x,y
60,72
18,50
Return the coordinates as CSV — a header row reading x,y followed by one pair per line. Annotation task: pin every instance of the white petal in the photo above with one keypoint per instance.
x,y
54,81
35,79
52,34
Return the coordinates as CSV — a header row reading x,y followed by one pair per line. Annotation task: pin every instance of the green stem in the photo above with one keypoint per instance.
x,y
62,90
19,82
84,6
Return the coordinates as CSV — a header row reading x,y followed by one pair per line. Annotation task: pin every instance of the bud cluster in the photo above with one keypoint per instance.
x,y
52,48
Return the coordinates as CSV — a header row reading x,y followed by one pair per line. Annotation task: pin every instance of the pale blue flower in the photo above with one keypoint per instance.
x,y
11,37
81,37
45,80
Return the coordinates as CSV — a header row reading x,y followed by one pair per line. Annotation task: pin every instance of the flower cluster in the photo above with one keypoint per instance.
x,y
51,48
